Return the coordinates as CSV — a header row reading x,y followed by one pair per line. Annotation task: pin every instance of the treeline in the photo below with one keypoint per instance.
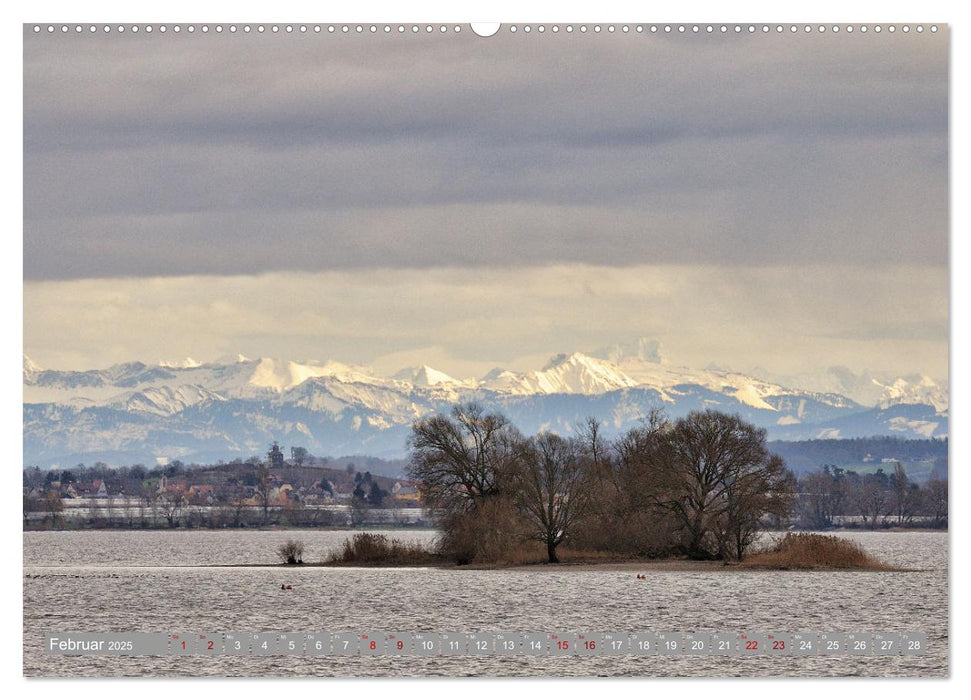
x,y
810,455
701,486
225,477
838,497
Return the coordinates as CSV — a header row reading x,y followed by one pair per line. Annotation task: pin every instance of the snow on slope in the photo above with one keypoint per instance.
x,y
913,389
563,374
332,386
164,401
427,376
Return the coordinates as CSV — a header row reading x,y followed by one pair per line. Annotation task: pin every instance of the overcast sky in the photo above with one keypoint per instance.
x,y
773,201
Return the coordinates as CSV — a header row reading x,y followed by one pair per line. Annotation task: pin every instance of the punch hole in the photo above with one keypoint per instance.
x,y
485,29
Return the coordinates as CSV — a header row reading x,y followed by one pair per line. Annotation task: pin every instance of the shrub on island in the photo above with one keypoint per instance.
x,y
291,552
374,549
811,551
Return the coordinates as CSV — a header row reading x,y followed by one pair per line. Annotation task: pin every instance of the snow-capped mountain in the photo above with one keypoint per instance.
x,y
868,388
573,374
915,388
135,412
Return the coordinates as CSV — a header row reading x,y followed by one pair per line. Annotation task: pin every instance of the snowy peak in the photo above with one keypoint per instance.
x,y
913,389
424,376
280,375
31,368
563,374
187,363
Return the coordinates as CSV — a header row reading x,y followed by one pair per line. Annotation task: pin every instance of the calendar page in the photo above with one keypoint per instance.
x,y
547,349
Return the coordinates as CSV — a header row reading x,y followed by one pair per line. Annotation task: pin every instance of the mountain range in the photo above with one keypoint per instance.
x,y
196,412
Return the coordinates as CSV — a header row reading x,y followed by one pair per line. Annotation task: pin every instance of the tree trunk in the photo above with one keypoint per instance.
x,y
551,552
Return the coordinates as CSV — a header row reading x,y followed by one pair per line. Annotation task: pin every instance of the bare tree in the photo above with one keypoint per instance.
x,y
935,501
463,464
904,496
170,505
52,505
463,458
264,488
552,487
763,489
717,477
871,501
822,495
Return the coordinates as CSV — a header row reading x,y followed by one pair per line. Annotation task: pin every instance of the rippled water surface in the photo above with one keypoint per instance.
x,y
166,582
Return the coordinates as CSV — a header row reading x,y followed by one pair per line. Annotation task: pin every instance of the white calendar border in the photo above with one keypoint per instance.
x,y
510,10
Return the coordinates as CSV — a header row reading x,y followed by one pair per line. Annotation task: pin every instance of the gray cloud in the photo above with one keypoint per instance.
x,y
167,155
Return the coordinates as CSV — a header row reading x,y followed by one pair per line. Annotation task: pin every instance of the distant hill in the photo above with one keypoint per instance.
x,y
865,454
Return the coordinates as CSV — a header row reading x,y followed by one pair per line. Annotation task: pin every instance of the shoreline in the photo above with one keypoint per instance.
x,y
631,566
409,528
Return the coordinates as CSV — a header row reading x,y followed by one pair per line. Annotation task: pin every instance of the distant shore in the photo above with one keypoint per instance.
x,y
645,567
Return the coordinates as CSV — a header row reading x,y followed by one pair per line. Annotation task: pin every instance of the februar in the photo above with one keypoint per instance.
x,y
76,645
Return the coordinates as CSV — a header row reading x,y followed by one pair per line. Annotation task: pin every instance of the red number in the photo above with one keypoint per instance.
x,y
590,645
751,644
401,645
778,645
563,646
374,645
183,644
209,646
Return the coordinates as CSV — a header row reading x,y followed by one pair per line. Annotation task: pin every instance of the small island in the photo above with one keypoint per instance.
x,y
792,552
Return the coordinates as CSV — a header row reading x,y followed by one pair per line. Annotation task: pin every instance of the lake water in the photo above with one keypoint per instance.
x,y
166,582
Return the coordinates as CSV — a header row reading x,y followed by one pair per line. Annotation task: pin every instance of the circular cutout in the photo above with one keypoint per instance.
x,y
485,29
